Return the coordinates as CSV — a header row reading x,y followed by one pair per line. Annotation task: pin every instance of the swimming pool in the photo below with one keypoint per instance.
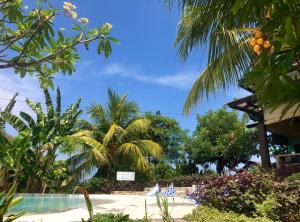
x,y
49,203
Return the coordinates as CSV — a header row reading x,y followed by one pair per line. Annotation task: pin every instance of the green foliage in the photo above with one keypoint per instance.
x,y
164,170
163,205
40,139
282,204
252,194
98,185
112,218
208,214
222,138
31,42
119,139
167,132
294,178
226,27
7,201
237,193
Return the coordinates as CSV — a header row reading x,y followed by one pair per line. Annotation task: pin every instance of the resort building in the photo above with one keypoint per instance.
x,y
284,130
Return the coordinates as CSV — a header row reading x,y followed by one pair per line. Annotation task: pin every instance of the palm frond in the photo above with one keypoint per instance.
x,y
113,131
235,58
85,137
133,151
149,147
136,127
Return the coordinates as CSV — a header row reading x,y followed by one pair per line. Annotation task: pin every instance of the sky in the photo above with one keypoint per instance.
x,y
145,65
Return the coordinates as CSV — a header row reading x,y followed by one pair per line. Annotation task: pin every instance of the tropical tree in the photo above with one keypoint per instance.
x,y
118,146
5,142
223,139
168,134
30,41
120,135
255,40
46,135
119,111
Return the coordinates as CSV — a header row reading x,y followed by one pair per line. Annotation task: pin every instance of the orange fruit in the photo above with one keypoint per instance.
x,y
258,49
258,34
266,44
253,41
260,41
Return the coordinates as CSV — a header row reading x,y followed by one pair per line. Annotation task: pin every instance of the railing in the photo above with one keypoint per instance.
x,y
288,164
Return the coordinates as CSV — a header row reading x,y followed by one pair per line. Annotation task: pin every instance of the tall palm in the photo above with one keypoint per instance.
x,y
211,23
118,111
119,133
116,145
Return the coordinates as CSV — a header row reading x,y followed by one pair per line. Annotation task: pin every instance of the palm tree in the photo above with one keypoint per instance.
x,y
210,24
119,134
225,28
118,111
118,144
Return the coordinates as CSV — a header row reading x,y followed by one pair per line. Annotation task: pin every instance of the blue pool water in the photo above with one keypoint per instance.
x,y
47,203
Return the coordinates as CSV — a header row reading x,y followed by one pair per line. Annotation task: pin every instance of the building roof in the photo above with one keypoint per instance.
x,y
248,105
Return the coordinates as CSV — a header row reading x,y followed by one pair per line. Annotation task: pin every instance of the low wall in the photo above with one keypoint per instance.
x,y
180,191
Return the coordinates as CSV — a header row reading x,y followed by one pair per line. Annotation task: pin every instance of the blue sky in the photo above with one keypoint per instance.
x,y
145,64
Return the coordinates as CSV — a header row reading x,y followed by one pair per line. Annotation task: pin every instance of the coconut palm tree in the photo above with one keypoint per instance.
x,y
118,111
225,28
117,144
119,133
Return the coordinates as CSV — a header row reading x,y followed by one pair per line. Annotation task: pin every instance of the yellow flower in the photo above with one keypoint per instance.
x,y
73,15
108,26
84,20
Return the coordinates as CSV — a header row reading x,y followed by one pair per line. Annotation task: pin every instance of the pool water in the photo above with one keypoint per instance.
x,y
48,203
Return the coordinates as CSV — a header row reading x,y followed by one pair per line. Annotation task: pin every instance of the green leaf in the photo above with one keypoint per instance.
x,y
236,7
114,40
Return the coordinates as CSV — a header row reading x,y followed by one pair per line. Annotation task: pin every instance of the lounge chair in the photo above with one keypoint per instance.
x,y
153,191
170,192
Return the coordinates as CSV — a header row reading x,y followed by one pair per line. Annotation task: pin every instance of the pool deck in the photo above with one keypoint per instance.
x,y
134,205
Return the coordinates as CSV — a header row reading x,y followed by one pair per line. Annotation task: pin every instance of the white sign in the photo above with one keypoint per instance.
x,y
125,176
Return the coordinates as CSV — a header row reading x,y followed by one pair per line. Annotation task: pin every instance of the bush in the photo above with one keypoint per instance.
x,y
183,181
207,214
293,178
283,204
98,185
252,194
237,193
102,185
112,218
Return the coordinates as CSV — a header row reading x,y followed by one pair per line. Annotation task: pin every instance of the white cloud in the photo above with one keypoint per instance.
x,y
27,87
180,80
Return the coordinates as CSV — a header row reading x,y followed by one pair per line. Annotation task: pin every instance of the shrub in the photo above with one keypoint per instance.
x,y
293,178
113,218
183,181
207,214
283,204
98,185
237,193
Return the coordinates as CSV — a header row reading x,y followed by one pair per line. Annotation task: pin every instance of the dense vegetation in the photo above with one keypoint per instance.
x,y
257,41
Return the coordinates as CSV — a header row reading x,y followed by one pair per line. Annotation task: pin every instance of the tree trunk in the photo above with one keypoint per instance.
x,y
263,146
220,165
